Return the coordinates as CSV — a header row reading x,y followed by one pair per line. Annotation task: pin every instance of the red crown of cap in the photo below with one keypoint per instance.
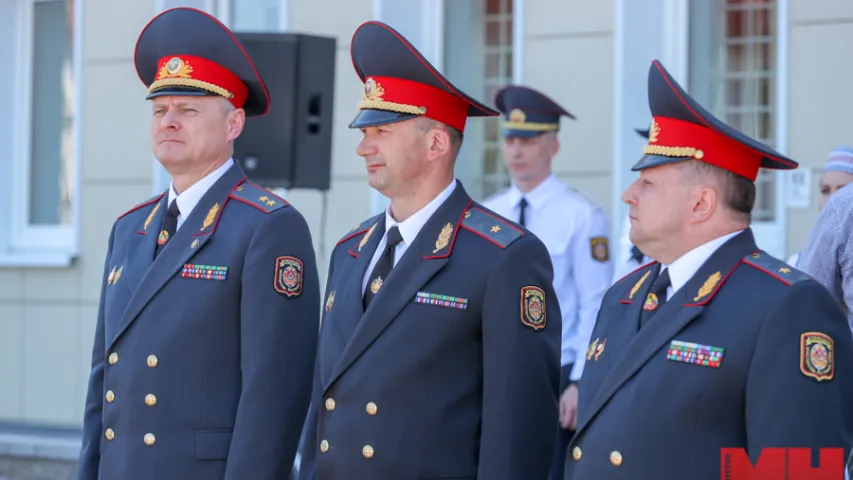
x,y
405,96
201,73
669,137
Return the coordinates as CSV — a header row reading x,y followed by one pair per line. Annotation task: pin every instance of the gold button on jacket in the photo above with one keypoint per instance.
x,y
149,439
324,446
616,459
367,451
576,453
153,361
113,358
111,396
371,408
110,434
150,400
330,404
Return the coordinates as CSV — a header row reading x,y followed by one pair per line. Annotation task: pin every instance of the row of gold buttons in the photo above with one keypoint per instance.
x,y
371,409
149,438
615,457
152,360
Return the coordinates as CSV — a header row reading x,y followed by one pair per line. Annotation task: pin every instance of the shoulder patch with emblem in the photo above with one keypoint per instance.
x,y
816,356
775,268
533,307
599,249
151,200
253,194
491,227
288,276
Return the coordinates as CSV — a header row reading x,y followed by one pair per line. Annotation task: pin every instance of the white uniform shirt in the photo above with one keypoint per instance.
x,y
573,229
190,197
409,229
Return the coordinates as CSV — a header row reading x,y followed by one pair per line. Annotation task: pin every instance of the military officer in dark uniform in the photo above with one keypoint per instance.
x,y
439,349
208,320
715,344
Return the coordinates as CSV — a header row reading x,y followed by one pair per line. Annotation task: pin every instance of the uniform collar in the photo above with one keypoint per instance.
x,y
683,269
410,227
191,196
537,196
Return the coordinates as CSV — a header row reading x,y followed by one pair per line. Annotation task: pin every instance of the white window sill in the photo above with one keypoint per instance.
x,y
55,259
39,446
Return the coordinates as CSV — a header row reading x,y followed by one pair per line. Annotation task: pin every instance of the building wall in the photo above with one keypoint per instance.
x,y
819,95
568,55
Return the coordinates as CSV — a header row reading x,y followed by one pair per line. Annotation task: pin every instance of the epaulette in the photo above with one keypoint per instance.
x,y
154,199
360,228
253,194
491,227
775,268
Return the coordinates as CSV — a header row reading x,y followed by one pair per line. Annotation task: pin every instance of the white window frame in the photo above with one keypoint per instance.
x,y
25,244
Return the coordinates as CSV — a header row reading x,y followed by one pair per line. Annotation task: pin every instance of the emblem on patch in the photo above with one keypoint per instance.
x,y
651,302
816,352
598,248
288,276
533,307
163,237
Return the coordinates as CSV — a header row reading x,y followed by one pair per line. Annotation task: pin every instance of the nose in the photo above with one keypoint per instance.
x,y
169,121
365,148
628,195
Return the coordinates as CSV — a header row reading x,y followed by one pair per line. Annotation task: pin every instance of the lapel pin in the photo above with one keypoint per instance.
x,y
151,217
443,238
366,236
639,284
194,244
708,286
599,349
330,301
163,237
111,276
375,285
211,216
591,349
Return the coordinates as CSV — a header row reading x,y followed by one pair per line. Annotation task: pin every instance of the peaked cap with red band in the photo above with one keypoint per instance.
x,y
682,130
400,84
184,51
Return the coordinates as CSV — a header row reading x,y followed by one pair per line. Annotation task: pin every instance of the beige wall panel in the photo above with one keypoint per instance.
x,y
103,203
330,17
50,364
116,127
582,82
111,27
821,11
567,17
11,357
11,284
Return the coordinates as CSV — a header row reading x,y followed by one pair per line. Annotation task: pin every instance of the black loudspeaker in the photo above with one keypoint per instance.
x,y
290,146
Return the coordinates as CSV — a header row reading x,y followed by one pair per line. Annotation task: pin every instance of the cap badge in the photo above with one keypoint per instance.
x,y
373,91
517,116
175,67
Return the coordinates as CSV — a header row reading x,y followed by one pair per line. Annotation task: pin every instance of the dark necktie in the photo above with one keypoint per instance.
x,y
656,297
523,206
383,266
170,225
636,254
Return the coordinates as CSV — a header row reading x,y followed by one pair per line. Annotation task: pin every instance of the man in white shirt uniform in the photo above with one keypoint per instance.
x,y
575,230
716,345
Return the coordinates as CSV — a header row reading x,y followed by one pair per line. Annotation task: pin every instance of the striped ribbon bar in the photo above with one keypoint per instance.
x,y
205,272
442,300
695,353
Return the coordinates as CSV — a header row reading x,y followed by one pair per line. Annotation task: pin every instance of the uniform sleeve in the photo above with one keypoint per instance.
x,y
90,457
521,366
593,275
278,338
786,406
310,445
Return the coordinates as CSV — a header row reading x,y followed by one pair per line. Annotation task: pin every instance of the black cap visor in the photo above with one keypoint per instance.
x,y
374,118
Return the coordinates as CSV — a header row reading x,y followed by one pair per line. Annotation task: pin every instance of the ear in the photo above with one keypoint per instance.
x,y
706,201
236,120
439,143
555,145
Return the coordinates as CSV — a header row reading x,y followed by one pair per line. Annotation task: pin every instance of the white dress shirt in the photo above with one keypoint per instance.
x,y
566,222
409,229
190,197
681,270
